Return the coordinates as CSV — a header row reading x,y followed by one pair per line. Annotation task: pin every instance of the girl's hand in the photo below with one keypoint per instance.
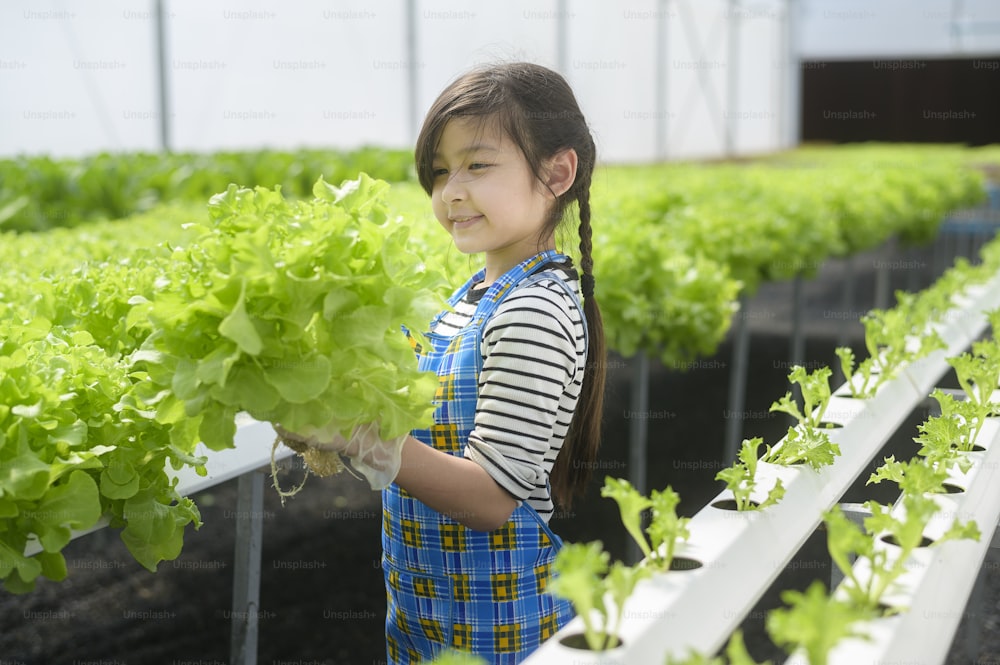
x,y
377,460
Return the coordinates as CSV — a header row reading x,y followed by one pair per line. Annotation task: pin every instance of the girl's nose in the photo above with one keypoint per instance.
x,y
454,189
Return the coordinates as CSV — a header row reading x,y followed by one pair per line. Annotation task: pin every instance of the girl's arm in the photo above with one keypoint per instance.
x,y
455,486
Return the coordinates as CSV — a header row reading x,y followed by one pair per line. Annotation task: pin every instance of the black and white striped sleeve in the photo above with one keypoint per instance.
x,y
534,354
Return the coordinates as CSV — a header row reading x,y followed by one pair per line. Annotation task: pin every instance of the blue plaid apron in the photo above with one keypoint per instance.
x,y
447,585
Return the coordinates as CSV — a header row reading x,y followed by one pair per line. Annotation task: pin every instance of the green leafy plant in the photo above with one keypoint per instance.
x,y
917,476
893,337
814,622
904,528
806,441
291,311
803,445
861,380
978,373
665,530
815,388
452,657
582,575
741,478
946,437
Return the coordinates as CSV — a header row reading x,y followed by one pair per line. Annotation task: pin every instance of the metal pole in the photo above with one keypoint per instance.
x,y
883,280
638,434
737,384
412,115
246,568
793,77
660,84
846,313
562,43
161,77
797,350
732,80
639,422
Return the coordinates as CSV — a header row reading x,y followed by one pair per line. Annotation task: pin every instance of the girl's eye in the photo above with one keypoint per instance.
x,y
476,166
438,172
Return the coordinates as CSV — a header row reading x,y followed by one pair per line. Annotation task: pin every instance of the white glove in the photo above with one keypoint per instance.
x,y
377,460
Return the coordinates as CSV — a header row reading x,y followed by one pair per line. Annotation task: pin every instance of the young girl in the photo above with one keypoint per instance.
x,y
467,549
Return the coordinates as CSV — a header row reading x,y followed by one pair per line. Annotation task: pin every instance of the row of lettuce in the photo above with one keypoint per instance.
x,y
696,236
38,193
132,347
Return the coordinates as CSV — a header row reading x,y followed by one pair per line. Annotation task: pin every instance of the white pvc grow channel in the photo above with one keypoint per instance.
x,y
742,553
938,579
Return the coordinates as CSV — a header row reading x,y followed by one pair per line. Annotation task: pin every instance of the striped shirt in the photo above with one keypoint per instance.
x,y
534,354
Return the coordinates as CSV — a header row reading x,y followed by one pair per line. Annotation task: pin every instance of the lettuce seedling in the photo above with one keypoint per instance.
x,y
865,371
917,476
659,540
582,576
806,441
803,445
741,480
631,505
814,622
665,528
887,333
943,437
979,374
845,540
815,387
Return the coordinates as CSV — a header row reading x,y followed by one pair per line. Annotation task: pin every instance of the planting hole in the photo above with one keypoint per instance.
x,y
684,563
924,541
730,504
952,489
828,424
579,641
885,611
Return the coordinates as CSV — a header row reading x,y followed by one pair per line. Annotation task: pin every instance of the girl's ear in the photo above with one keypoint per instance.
x,y
561,171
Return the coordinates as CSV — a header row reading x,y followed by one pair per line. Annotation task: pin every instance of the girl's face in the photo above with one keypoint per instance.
x,y
486,196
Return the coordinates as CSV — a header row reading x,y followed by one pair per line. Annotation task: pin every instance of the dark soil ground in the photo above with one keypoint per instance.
x,y
322,598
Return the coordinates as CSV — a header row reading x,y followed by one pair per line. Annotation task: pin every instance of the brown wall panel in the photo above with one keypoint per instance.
x,y
915,100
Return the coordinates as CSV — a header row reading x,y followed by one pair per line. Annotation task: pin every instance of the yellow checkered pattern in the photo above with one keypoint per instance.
x,y
424,586
549,626
503,586
411,533
461,636
432,629
460,588
446,438
542,573
452,537
504,538
507,638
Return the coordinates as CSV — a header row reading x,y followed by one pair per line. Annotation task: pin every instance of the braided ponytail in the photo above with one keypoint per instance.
x,y
574,465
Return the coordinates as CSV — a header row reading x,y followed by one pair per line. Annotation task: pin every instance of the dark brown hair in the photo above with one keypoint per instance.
x,y
537,111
